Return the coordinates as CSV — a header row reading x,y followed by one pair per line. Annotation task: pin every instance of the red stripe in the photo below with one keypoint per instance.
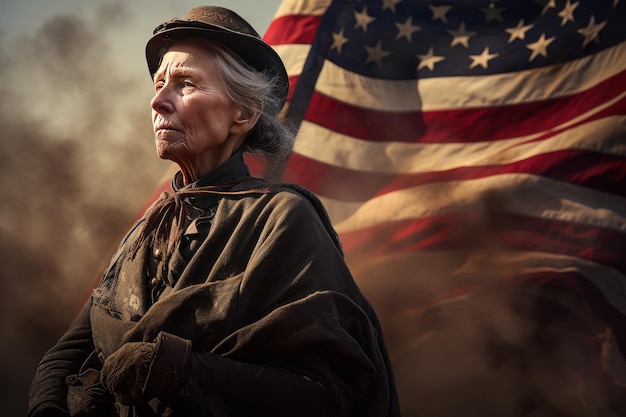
x,y
587,292
537,296
461,232
256,165
293,81
363,123
462,125
595,244
292,29
165,186
334,181
596,170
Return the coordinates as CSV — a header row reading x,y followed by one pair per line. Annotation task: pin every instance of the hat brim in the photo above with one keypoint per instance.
x,y
250,49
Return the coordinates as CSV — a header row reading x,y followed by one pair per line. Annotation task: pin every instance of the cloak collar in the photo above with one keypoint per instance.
x,y
232,170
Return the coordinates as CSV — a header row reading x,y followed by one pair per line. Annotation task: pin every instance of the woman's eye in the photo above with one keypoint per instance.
x,y
158,85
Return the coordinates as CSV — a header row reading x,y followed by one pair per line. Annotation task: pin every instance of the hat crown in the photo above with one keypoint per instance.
x,y
212,16
223,17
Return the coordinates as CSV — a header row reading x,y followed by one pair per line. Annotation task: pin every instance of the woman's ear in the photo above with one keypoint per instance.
x,y
245,122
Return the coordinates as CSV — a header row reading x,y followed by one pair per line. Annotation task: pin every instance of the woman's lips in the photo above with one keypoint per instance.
x,y
161,124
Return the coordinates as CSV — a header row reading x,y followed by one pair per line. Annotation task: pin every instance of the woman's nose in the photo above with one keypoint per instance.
x,y
161,102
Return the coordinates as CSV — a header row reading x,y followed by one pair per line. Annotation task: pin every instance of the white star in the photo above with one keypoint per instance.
x,y
439,12
406,29
482,59
567,13
550,4
540,47
362,19
492,13
338,41
592,31
390,4
429,60
376,54
519,31
461,36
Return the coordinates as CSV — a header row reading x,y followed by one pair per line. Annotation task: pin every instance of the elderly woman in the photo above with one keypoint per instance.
x,y
230,297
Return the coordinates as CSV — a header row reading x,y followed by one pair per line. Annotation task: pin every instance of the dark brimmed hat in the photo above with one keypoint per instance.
x,y
225,26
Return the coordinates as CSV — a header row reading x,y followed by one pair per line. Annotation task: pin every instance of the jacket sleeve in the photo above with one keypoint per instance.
x,y
259,389
313,357
48,391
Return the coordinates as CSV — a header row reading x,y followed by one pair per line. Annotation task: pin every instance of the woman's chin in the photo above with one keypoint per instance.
x,y
167,149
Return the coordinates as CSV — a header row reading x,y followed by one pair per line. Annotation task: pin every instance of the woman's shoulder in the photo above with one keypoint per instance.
x,y
282,198
293,201
277,191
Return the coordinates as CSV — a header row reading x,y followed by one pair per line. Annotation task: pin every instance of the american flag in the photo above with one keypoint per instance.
x,y
472,157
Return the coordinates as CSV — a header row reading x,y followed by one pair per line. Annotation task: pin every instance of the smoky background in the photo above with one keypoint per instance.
x,y
77,159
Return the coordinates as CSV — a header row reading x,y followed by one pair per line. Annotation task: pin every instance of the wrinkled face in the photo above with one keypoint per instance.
x,y
195,123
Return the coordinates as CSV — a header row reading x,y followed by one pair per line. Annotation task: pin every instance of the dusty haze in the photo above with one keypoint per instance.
x,y
77,164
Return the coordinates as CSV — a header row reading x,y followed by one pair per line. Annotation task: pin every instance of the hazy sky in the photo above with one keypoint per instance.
x,y
77,158
19,15
23,16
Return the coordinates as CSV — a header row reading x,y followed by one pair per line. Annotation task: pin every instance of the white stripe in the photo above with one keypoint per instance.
x,y
293,56
488,267
483,199
445,93
329,147
609,281
302,7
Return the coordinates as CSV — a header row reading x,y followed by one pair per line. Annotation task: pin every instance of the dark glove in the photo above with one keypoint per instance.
x,y
50,412
86,396
140,371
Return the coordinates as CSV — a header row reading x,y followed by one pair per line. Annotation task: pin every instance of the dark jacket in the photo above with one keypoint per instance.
x,y
258,284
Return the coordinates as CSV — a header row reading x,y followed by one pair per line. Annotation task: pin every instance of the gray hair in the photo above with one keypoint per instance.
x,y
256,92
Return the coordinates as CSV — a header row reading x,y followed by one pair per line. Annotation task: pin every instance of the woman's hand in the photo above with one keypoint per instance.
x,y
86,396
140,371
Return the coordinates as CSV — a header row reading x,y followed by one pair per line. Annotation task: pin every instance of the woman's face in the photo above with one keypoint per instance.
x,y
195,123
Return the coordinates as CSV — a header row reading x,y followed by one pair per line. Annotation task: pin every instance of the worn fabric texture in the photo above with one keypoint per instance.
x,y
258,284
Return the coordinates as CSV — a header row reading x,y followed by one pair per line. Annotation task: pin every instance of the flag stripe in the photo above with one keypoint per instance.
x,y
294,60
292,83
518,266
457,232
292,29
523,194
332,151
596,170
302,7
464,125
